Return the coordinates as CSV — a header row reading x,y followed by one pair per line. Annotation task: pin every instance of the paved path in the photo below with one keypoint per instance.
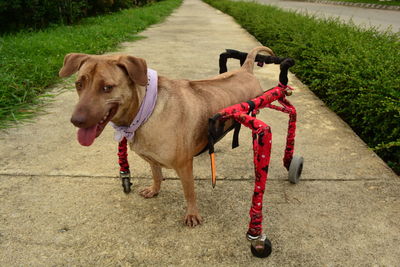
x,y
61,204
364,17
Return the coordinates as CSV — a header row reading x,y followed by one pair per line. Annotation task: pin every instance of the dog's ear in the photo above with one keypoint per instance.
x,y
72,63
135,67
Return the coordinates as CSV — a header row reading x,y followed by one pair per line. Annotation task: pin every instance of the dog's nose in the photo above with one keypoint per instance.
x,y
78,121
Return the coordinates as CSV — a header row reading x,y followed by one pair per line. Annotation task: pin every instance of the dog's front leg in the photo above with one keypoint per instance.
x,y
185,173
154,189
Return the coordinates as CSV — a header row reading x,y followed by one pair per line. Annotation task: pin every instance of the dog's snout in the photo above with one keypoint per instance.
x,y
78,120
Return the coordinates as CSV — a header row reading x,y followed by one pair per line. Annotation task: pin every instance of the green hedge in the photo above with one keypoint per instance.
x,y
30,61
355,72
37,14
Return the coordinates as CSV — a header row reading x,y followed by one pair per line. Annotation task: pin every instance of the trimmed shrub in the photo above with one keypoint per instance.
x,y
38,14
354,71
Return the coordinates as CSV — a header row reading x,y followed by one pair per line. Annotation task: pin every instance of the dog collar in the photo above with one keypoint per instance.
x,y
146,108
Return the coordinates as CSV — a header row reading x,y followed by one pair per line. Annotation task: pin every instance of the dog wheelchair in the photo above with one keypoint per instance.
x,y
245,114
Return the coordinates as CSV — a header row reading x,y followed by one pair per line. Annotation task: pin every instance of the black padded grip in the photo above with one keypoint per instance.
x,y
284,66
285,63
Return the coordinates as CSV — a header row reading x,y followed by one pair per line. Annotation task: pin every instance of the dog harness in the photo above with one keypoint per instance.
x,y
146,108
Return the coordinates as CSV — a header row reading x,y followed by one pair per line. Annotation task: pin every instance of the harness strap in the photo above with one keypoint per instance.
x,y
252,105
235,139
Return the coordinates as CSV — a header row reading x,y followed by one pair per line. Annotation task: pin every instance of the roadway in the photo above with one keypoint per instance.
x,y
364,17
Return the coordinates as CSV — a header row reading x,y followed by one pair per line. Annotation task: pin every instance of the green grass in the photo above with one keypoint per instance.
x,y
377,2
355,71
30,61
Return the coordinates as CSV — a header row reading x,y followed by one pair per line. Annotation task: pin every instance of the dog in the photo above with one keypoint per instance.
x,y
112,88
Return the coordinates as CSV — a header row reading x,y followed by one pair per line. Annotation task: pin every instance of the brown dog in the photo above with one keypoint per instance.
x,y
111,88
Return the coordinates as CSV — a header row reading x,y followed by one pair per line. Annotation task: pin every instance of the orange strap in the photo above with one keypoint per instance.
x,y
213,170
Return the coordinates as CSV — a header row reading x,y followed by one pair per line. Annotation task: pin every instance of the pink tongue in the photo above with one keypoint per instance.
x,y
86,136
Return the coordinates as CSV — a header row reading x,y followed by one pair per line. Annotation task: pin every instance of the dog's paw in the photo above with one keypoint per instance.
x,y
148,192
192,220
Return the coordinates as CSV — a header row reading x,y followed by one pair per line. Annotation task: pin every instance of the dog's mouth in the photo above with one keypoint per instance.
x,y
86,136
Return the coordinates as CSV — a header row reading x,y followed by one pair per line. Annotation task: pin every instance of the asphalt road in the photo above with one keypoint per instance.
x,y
365,17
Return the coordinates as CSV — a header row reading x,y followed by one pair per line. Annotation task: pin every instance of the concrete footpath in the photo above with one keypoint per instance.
x,y
62,204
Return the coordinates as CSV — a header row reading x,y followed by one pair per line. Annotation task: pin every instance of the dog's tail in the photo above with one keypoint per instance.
x,y
251,57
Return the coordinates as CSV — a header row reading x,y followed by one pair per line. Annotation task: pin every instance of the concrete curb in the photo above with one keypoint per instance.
x,y
363,5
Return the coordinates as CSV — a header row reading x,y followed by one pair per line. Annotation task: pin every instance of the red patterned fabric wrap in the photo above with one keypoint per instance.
x,y
290,109
123,155
289,150
260,102
262,140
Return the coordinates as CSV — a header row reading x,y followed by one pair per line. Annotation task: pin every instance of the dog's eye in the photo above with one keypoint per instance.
x,y
78,85
107,88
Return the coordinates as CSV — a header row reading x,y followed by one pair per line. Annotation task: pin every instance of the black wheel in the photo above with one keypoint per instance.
x,y
295,169
126,184
262,250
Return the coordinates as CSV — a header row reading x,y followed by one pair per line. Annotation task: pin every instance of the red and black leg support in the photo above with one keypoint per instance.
x,y
289,150
262,140
124,172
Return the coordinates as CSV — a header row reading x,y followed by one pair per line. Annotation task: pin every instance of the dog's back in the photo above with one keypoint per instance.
x,y
184,106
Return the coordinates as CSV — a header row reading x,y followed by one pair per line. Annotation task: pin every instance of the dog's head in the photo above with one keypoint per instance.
x,y
107,86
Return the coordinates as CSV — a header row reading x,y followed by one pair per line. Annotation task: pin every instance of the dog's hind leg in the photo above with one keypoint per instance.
x,y
154,189
185,173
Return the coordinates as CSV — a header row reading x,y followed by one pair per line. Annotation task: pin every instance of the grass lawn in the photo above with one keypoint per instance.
x,y
30,61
